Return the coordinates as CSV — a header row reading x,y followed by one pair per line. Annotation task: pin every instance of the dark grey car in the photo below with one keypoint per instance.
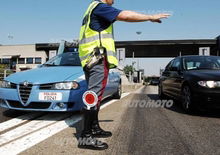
x,y
193,80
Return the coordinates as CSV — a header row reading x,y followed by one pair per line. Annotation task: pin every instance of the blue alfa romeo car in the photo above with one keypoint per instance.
x,y
57,85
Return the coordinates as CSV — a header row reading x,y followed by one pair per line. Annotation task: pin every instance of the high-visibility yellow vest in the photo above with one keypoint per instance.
x,y
90,39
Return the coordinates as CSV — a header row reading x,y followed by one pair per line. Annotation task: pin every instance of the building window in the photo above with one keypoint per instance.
x,y
5,61
29,60
21,61
37,60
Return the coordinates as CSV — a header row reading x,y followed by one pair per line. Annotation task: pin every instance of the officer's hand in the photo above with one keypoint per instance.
x,y
157,18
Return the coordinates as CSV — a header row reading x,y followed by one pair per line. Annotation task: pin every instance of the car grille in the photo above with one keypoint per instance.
x,y
13,86
25,92
32,105
46,86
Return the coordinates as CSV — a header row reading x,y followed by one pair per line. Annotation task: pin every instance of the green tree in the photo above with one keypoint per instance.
x,y
127,69
3,67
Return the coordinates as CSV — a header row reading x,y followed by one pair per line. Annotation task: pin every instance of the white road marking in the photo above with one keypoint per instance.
x,y
31,127
140,90
112,101
26,142
19,120
39,131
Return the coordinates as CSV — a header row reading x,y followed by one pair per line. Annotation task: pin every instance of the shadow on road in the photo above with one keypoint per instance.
x,y
13,113
9,114
212,113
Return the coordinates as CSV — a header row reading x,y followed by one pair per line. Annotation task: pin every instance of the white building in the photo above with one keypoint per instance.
x,y
22,57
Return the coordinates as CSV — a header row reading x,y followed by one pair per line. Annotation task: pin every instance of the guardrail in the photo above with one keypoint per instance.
x,y
5,73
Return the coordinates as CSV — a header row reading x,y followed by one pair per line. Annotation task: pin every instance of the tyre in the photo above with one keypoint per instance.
x,y
187,99
117,95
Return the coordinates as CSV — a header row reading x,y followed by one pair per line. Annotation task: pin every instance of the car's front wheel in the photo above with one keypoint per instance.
x,y
117,95
187,99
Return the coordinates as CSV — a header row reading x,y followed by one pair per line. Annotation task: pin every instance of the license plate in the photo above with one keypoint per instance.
x,y
49,96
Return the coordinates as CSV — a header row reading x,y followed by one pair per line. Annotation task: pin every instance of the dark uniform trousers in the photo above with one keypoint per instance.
x,y
96,78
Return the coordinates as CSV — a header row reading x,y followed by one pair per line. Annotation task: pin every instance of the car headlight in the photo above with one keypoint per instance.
x,y
5,84
209,84
66,85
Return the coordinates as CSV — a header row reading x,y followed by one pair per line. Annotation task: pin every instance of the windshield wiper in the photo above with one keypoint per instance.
x,y
50,65
70,65
67,65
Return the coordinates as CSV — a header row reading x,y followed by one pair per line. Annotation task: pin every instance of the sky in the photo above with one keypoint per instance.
x,y
43,21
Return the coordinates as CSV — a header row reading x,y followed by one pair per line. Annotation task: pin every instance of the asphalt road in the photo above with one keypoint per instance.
x,y
142,130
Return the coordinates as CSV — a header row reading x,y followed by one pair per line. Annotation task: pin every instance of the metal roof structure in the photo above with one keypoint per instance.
x,y
152,48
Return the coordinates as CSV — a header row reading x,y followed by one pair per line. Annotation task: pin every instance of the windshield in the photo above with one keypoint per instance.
x,y
65,59
198,63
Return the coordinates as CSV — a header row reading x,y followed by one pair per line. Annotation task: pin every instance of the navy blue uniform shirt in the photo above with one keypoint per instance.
x,y
103,16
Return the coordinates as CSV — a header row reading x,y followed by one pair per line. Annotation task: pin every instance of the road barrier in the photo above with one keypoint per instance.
x,y
5,73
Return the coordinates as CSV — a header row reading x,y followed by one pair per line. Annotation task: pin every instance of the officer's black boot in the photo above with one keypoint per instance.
x,y
97,131
86,140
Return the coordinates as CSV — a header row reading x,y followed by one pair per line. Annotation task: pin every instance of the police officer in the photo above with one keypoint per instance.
x,y
98,55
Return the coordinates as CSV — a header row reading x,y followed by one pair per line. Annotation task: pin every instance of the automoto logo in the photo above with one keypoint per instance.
x,y
89,141
150,104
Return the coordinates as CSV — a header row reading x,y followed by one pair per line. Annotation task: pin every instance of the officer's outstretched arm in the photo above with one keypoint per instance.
x,y
131,16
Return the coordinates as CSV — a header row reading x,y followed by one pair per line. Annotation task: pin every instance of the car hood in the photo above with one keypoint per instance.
x,y
205,74
45,75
